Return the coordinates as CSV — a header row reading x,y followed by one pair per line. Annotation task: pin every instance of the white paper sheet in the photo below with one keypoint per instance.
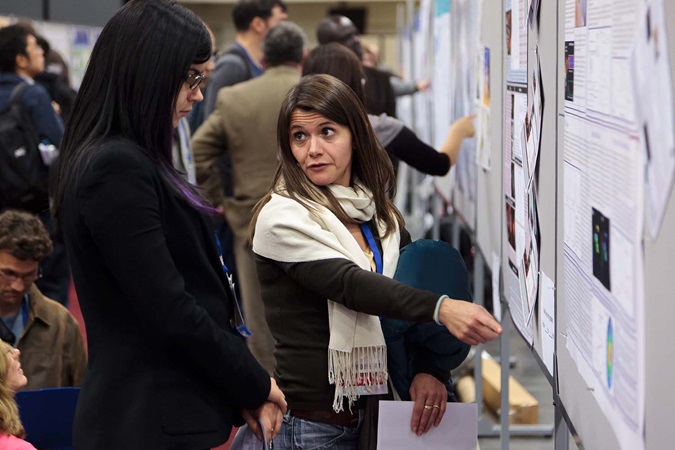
x,y
442,73
458,429
547,321
82,43
518,35
496,298
513,293
422,39
482,104
465,28
650,69
483,144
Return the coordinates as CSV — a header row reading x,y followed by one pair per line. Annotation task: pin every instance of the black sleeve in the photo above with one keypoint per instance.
x,y
410,149
362,290
120,203
424,364
390,106
380,97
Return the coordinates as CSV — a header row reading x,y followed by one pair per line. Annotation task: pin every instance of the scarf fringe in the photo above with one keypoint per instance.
x,y
350,372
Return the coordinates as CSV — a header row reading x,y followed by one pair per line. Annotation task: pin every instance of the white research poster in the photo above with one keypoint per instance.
x,y
603,182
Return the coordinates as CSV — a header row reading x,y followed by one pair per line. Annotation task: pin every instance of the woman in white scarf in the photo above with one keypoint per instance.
x,y
323,237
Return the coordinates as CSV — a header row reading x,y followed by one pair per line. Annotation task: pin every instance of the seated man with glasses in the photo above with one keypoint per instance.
x,y
52,349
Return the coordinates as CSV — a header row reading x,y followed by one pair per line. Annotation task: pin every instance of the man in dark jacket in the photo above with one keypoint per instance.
x,y
243,59
22,59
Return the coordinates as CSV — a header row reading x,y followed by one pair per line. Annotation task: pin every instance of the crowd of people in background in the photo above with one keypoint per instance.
x,y
226,220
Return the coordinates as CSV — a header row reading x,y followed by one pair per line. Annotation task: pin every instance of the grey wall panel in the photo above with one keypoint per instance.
x,y
489,196
659,312
83,12
21,8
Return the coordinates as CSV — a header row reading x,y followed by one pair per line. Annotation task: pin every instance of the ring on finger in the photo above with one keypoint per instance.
x,y
436,406
428,406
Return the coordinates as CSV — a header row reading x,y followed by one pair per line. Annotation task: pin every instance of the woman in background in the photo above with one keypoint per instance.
x,y
167,367
397,139
11,380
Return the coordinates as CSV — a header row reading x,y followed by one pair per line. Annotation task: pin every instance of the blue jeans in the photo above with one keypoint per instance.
x,y
301,434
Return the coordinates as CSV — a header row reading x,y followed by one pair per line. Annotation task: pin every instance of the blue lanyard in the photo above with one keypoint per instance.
x,y
365,229
220,255
239,323
24,310
255,68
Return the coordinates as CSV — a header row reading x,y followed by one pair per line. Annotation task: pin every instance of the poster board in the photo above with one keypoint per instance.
x,y
621,398
489,131
548,65
459,186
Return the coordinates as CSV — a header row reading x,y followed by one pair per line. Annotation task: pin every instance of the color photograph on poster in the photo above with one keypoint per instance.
x,y
511,228
569,70
507,29
580,13
601,249
482,108
486,76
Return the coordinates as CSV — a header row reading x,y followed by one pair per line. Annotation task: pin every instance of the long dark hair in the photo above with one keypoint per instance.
x,y
130,88
334,100
337,60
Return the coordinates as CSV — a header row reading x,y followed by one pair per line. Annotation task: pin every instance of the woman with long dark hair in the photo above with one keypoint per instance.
x,y
400,142
327,239
167,366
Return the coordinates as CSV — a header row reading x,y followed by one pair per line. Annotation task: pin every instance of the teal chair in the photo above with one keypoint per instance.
x,y
438,267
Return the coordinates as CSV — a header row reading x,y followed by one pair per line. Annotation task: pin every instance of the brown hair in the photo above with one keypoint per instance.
x,y
334,100
10,423
337,60
24,236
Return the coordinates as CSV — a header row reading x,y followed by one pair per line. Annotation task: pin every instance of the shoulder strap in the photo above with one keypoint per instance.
x,y
234,49
17,92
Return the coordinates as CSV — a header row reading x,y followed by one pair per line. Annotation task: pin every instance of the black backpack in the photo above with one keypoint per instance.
x,y
23,174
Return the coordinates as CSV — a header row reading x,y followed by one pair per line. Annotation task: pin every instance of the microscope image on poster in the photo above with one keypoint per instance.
x,y
601,248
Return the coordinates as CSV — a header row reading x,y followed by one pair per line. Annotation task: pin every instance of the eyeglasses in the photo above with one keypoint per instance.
x,y
11,276
194,79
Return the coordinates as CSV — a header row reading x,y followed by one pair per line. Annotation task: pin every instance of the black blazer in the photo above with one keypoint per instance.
x,y
166,369
380,97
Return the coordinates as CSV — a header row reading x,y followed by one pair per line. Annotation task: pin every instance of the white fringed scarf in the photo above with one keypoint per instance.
x,y
287,231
